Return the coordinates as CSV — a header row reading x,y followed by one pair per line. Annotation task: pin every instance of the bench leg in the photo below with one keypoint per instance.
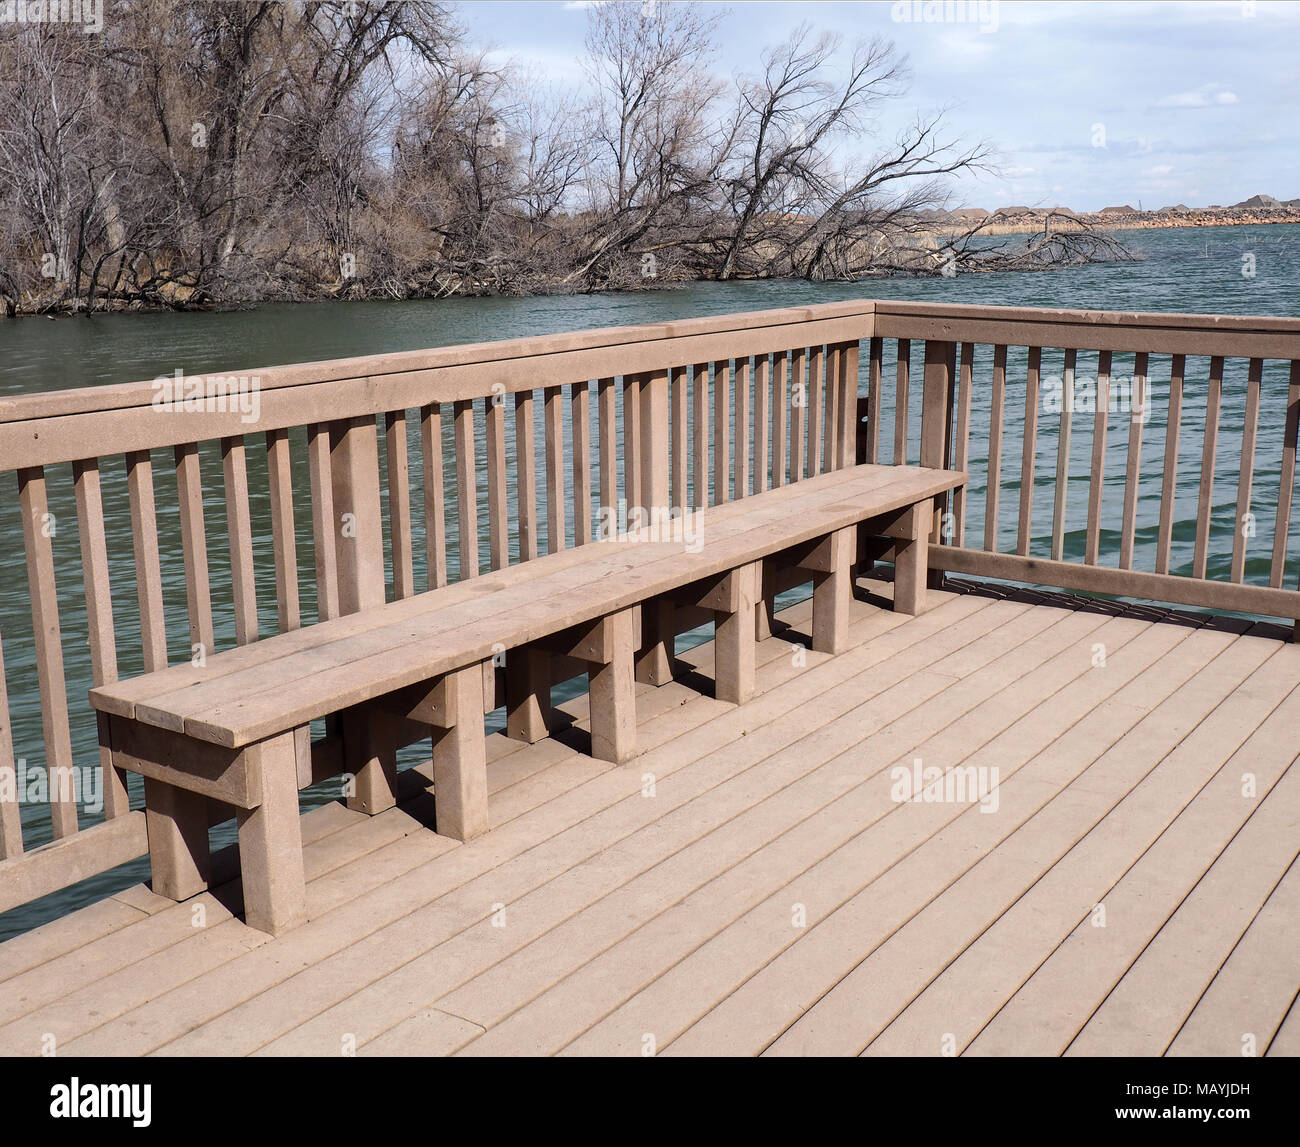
x,y
302,750
912,560
833,594
270,844
176,821
371,754
612,690
733,639
765,610
460,759
528,694
654,665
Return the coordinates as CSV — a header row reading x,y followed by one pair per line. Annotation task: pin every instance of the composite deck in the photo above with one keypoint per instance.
x,y
751,884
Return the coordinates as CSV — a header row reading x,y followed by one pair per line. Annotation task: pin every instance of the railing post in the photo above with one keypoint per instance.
x,y
655,449
354,469
936,432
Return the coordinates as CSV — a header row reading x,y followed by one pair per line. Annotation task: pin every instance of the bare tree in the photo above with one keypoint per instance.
x,y
650,120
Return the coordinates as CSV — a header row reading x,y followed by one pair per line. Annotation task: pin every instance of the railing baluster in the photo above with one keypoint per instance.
x,y
526,468
847,406
1133,472
497,475
680,399
1286,483
553,416
38,530
1169,483
961,454
283,537
875,371
322,521
816,403
194,541
997,401
11,822
97,584
240,532
148,564
1030,447
466,489
1206,503
831,414
780,415
762,422
798,407
435,517
701,467
721,432
655,451
1063,456
901,388
607,424
580,416
1246,473
632,462
938,382
742,427
1097,475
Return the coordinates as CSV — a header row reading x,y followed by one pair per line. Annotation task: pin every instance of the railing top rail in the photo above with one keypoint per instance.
x,y
1271,324
1231,336
94,399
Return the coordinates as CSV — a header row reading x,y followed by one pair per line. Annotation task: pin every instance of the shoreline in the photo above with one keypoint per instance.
x,y
1146,221
1032,223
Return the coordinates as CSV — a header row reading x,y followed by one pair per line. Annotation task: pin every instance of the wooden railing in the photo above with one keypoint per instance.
x,y
370,479
1182,396
396,473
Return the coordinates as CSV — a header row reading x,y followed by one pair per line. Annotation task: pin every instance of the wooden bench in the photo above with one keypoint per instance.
x,y
236,730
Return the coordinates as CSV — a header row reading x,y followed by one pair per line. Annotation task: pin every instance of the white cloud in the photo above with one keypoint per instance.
x,y
1160,169
1207,95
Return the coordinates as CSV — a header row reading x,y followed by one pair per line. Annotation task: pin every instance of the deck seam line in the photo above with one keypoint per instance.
x,y
815,812
849,841
998,1011
1237,944
829,665
1149,627
864,670
1019,611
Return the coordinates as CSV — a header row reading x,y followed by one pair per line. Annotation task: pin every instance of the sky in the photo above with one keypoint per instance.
x,y
1087,105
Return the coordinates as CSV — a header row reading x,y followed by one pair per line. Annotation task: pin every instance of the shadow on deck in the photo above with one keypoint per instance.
x,y
753,883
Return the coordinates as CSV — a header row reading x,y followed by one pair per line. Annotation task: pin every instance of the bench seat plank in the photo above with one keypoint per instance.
x,y
340,668
120,699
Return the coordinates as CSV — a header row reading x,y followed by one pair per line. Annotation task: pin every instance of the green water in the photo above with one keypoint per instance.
x,y
1192,270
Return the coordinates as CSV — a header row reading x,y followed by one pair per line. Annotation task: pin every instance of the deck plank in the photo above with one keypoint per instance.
x,y
693,986
1063,990
859,802
1145,1010
774,999
671,918
409,938
952,1001
175,1014
1248,994
628,815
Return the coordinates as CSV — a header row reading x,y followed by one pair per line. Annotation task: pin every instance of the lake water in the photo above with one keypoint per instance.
x,y
1185,270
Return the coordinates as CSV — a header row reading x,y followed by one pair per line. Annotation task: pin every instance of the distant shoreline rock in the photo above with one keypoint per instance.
x,y
1258,209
